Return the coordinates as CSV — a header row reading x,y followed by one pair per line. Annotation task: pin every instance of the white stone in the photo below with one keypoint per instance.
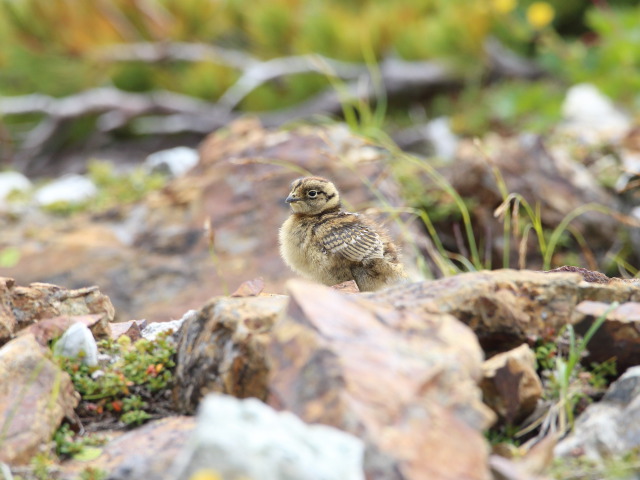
x,y
592,117
151,331
176,161
78,338
611,426
248,439
13,181
70,188
445,142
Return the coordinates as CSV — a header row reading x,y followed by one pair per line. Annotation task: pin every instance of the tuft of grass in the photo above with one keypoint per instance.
x,y
565,385
519,218
568,386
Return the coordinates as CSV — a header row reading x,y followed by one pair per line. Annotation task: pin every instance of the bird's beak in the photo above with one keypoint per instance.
x,y
291,199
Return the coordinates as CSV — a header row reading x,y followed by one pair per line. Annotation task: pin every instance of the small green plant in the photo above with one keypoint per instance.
x,y
70,445
9,257
91,473
600,374
134,408
117,188
64,208
504,434
135,417
139,370
616,467
43,466
546,353
565,383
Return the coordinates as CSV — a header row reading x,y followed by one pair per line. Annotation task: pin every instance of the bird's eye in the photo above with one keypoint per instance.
x,y
312,194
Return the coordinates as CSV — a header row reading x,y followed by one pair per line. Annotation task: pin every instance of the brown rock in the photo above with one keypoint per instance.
x,y
35,395
404,381
38,301
618,337
222,349
130,328
587,275
250,288
50,328
146,452
531,466
617,290
507,307
504,308
160,263
511,386
347,287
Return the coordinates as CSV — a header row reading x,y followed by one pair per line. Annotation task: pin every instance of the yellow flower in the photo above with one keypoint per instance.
x,y
205,474
540,14
504,6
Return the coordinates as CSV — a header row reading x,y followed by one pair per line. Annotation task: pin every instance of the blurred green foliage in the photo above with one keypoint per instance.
x,y
508,107
609,58
54,47
114,188
67,57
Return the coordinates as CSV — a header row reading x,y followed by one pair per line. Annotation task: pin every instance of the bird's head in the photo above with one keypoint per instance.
x,y
313,195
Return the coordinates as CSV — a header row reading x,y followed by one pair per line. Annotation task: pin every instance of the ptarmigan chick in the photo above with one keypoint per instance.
x,y
322,242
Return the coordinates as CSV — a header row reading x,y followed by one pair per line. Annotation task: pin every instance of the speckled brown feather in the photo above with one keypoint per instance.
x,y
330,246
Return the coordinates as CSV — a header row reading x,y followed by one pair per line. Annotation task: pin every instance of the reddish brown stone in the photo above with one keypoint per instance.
x,y
35,395
250,288
131,328
147,452
50,328
403,381
222,349
618,337
506,308
347,287
511,386
40,301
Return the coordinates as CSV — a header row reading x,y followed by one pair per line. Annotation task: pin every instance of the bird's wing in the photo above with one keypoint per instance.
x,y
353,241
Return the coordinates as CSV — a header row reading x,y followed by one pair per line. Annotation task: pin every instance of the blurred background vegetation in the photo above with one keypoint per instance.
x,y
56,47
60,48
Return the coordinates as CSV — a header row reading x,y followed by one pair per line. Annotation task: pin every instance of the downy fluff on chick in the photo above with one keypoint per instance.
x,y
322,242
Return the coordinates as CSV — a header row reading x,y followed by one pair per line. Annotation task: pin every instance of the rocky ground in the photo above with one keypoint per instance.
x,y
483,375
393,375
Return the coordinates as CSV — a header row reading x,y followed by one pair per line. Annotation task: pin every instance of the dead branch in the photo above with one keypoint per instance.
x,y
150,52
100,100
506,63
166,112
256,72
114,107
